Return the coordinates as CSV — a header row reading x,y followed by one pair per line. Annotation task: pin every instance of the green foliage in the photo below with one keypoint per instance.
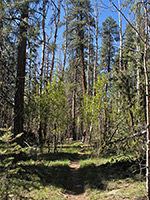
x,y
11,184
110,34
113,177
93,108
9,149
53,107
129,100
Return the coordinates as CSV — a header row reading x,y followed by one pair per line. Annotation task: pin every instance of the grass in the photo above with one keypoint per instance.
x,y
123,189
47,192
52,176
107,178
112,178
103,160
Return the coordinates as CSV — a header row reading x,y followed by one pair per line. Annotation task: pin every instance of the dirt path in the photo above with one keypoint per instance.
x,y
78,192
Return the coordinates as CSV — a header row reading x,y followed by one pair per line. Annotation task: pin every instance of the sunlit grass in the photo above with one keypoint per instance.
x,y
52,177
47,192
105,178
119,190
104,160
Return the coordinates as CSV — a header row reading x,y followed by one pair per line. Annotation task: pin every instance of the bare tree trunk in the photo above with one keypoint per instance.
x,y
145,41
73,115
96,9
29,91
107,89
42,69
48,50
1,44
43,46
57,20
88,64
138,50
55,139
66,42
74,106
120,34
81,37
47,63
20,79
82,68
147,102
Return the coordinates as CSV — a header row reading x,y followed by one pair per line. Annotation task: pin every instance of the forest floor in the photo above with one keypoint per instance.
x,y
78,192
74,173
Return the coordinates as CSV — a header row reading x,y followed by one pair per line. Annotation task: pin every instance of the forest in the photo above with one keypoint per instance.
x,y
74,99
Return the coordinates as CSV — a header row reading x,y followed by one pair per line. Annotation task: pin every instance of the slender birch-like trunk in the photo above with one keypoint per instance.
x,y
42,69
145,41
147,103
82,68
66,42
138,50
96,9
57,20
121,38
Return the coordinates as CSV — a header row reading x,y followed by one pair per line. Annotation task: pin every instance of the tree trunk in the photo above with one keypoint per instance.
x,y
147,103
73,115
138,50
20,79
96,8
88,64
66,43
74,106
54,43
55,139
42,69
120,34
1,44
106,89
82,68
81,37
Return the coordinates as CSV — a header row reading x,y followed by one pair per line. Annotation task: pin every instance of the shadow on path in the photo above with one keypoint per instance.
x,y
72,179
76,176
69,178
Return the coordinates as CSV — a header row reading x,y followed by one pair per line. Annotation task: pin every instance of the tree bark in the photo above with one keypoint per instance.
x,y
1,42
121,38
74,106
145,41
20,79
81,37
138,50
96,8
82,69
54,43
43,46
42,69
88,64
66,43
147,103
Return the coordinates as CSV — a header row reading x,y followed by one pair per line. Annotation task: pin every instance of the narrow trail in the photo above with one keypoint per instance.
x,y
78,192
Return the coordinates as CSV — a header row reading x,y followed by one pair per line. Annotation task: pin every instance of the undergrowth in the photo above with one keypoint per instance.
x,y
48,176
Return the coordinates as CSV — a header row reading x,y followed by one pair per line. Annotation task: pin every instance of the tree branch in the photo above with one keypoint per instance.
x,y
128,21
